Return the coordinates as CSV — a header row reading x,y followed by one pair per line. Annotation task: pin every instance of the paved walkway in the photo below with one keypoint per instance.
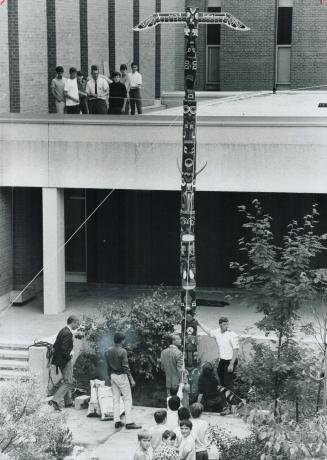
x,y
101,441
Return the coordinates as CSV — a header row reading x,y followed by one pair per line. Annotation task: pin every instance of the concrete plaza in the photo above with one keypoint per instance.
x,y
102,442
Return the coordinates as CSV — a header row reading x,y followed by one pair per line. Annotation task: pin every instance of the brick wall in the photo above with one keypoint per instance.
x,y
4,60
124,33
98,32
27,235
68,34
309,44
247,57
52,50
147,54
172,49
33,68
6,272
13,52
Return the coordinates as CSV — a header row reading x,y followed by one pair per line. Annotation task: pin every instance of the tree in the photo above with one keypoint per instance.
x,y
279,277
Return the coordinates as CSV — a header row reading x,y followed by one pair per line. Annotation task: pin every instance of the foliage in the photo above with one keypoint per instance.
x,y
293,370
29,429
280,279
146,322
283,438
232,448
86,369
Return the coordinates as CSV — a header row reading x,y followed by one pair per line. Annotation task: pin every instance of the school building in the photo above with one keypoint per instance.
x,y
287,45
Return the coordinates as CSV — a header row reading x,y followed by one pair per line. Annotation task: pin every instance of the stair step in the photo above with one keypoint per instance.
x,y
13,374
13,364
14,354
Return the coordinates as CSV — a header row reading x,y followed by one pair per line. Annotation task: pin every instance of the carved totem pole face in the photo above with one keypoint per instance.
x,y
187,212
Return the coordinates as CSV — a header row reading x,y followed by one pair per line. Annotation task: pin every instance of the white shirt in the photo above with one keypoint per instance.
x,y
199,431
227,342
187,448
72,90
102,88
135,79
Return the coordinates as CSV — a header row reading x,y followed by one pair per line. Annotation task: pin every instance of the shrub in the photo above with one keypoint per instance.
x,y
232,448
146,322
29,428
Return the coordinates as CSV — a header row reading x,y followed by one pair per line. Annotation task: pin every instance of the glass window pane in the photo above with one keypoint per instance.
x,y
213,65
213,31
284,33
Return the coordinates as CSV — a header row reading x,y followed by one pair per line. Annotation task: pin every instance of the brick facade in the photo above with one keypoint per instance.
x,y
147,54
84,36
112,34
33,53
247,57
27,235
6,272
68,34
309,44
4,60
51,49
123,34
98,32
13,51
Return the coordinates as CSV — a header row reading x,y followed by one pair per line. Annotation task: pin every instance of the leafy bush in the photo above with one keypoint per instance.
x,y
232,448
29,428
146,323
283,438
86,368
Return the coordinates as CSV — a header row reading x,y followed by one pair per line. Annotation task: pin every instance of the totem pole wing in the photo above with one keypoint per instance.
x,y
160,18
226,19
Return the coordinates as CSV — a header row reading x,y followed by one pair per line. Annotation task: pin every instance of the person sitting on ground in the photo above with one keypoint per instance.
x,y
142,452
160,416
173,404
208,396
166,449
183,414
199,431
187,445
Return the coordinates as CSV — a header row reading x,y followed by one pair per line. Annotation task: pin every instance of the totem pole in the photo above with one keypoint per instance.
x,y
191,18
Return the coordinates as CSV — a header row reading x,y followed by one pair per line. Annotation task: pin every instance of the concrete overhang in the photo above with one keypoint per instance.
x,y
277,152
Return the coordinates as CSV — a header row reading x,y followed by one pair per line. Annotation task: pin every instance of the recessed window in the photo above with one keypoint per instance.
x,y
284,33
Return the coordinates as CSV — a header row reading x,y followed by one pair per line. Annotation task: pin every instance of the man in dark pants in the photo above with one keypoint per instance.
x,y
135,79
228,346
62,359
171,360
97,90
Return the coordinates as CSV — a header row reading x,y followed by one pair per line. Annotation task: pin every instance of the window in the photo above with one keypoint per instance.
x,y
284,31
213,30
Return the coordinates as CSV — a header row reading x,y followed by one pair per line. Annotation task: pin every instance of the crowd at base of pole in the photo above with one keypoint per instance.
x,y
179,432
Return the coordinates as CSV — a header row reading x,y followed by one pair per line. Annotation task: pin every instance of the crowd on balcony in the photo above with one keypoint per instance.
x,y
98,94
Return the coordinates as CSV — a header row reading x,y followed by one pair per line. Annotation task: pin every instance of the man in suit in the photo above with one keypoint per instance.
x,y
62,359
172,363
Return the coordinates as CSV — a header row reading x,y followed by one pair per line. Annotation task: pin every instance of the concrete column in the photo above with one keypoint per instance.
x,y
53,258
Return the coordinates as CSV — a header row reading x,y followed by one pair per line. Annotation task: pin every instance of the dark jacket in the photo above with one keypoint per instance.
x,y
63,346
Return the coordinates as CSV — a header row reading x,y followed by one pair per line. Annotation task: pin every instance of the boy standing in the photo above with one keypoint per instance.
x,y
187,445
135,79
125,81
71,93
117,95
160,416
57,89
121,381
142,452
199,431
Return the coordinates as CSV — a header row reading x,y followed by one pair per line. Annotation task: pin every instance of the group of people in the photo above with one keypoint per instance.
x,y
176,435
98,94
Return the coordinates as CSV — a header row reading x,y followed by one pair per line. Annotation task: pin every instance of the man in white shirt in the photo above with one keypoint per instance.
x,y
228,346
71,92
97,89
135,81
